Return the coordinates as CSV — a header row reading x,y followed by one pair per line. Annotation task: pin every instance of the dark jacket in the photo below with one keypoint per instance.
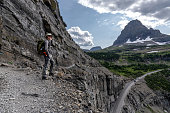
x,y
48,47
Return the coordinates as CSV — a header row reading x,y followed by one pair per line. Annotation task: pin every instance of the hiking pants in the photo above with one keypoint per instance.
x,y
46,65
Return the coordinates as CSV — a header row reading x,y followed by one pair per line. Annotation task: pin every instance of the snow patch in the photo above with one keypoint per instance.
x,y
135,49
151,44
140,41
152,51
161,43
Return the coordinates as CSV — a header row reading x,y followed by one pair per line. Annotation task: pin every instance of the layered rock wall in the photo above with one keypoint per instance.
x,y
142,99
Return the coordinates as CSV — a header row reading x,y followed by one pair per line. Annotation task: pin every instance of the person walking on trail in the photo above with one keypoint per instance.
x,y
48,56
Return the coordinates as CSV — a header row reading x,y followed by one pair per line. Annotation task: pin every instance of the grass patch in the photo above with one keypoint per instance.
x,y
133,70
10,62
132,61
159,80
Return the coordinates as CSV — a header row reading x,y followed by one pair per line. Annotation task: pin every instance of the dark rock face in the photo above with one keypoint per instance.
x,y
136,30
95,48
23,23
142,99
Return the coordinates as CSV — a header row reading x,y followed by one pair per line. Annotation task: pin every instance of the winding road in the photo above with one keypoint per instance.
x,y
120,101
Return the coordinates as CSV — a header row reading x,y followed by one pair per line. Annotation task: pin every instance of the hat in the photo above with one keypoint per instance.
x,y
48,34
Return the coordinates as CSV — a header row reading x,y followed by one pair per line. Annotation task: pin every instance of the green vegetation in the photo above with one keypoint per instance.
x,y
133,54
10,62
159,80
132,70
107,56
152,57
133,61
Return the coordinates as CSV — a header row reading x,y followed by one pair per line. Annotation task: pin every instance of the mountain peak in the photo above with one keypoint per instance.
x,y
135,25
135,22
135,31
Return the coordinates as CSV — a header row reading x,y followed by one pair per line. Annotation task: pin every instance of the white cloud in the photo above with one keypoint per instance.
x,y
123,23
82,38
150,12
105,22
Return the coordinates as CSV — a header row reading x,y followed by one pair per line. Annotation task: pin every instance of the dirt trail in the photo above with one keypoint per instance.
x,y
23,91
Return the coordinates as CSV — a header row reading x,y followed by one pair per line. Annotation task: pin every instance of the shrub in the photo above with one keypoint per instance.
x,y
159,80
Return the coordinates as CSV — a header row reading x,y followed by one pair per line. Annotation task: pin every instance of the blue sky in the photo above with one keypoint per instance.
x,y
99,22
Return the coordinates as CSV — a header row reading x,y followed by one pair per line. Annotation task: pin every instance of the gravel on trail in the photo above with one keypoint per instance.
x,y
23,91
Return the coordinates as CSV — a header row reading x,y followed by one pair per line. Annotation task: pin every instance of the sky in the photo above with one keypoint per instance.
x,y
99,22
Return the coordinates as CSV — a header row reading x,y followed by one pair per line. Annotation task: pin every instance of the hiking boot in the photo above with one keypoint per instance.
x,y
44,78
51,74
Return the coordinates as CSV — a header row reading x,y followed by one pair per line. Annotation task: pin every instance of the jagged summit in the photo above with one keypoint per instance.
x,y
136,33
135,23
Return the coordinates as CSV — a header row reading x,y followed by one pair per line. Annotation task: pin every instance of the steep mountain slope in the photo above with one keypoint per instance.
x,y
23,23
136,33
142,99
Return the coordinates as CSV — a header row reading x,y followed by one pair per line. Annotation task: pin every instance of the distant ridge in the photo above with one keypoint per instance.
x,y
95,48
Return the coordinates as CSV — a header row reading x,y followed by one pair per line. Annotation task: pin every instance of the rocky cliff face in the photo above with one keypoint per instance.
x,y
142,99
136,32
23,23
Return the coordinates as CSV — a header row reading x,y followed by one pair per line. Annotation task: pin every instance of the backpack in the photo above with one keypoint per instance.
x,y
41,47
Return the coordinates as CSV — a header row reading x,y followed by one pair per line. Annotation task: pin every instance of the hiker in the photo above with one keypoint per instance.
x,y
48,56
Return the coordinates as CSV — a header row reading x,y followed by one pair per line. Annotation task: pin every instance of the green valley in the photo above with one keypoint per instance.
x,y
133,61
